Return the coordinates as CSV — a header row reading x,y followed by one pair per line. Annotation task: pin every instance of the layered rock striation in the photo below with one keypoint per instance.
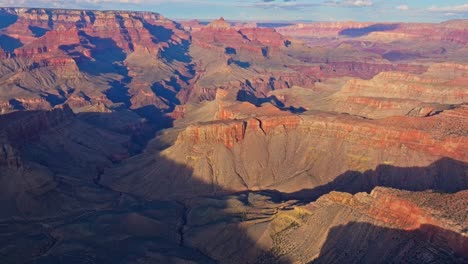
x,y
323,152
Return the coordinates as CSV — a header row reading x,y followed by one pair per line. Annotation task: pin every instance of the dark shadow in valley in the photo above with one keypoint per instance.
x,y
7,19
249,96
167,90
50,20
358,242
230,51
445,175
359,32
295,110
242,64
91,16
54,99
159,33
124,32
107,58
177,52
38,31
399,56
265,51
118,93
140,124
9,44
155,115
17,105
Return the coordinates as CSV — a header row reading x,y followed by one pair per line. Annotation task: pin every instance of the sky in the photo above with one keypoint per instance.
x,y
276,10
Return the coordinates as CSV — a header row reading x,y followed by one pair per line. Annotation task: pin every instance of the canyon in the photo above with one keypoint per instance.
x,y
126,137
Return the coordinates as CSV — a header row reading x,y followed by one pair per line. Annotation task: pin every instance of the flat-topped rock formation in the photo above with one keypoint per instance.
x,y
327,150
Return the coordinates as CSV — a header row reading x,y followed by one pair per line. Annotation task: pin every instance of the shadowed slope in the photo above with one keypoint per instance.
x,y
444,175
359,32
357,243
9,44
7,18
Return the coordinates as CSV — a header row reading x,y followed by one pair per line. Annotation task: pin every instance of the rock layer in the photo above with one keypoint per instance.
x,y
335,150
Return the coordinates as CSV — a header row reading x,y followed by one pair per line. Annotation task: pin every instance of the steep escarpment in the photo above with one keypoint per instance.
x,y
389,93
399,93
328,151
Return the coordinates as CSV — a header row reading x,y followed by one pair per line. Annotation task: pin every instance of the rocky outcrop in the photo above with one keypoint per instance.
x,y
256,41
421,132
133,28
407,86
226,36
399,93
266,36
249,154
192,25
219,24
49,43
230,132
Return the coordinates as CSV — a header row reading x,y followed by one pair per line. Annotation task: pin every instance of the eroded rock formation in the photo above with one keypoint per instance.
x,y
126,137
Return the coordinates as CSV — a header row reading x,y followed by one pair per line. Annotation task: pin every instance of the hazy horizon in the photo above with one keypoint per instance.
x,y
273,10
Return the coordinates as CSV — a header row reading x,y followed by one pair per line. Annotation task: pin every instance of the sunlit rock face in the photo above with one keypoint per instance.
x,y
60,56
322,150
126,137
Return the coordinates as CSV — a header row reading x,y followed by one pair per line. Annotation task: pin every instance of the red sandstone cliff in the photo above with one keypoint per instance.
x,y
249,154
69,49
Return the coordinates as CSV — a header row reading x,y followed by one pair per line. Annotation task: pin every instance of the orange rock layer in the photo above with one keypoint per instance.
x,y
420,134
